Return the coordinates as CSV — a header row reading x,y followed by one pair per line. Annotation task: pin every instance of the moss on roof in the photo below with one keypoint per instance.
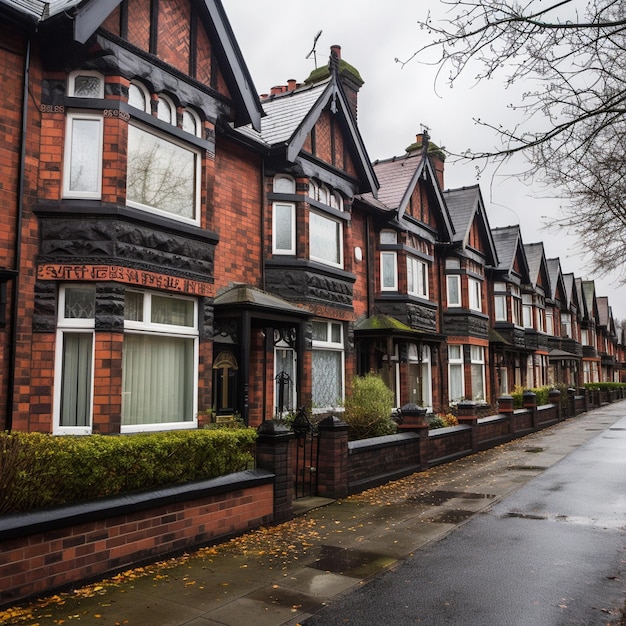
x,y
322,73
382,322
433,149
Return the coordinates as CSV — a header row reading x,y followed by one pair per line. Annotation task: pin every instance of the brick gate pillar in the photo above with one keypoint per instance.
x,y
332,467
273,453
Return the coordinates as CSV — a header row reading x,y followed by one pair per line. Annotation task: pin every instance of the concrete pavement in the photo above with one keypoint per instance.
x,y
287,573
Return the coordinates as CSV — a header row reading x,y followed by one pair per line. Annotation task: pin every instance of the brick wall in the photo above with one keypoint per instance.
x,y
50,550
376,461
236,216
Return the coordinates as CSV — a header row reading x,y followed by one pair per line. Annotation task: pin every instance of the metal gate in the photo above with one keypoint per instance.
x,y
307,455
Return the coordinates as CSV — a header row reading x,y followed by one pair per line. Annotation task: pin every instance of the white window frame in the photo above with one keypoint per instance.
x,y
332,346
338,233
474,288
477,358
147,327
66,326
276,219
386,285
283,183
96,192
527,311
197,123
71,83
171,109
197,177
500,307
144,92
417,277
455,361
453,278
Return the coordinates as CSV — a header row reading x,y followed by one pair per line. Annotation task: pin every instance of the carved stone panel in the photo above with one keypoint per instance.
x,y
127,243
307,285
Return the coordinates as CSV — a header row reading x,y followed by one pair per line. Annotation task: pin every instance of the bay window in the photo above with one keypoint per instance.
x,y
159,363
327,376
417,277
325,239
475,294
453,290
163,175
283,228
388,271
527,304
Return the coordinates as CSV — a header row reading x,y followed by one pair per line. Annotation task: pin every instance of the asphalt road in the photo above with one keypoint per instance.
x,y
552,553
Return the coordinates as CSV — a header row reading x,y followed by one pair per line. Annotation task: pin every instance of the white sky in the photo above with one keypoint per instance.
x,y
276,36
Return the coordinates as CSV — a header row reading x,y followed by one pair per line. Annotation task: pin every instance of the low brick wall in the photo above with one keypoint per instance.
x,y
376,461
52,549
448,444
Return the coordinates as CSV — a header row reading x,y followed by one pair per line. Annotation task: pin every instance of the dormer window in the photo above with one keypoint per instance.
x,y
86,84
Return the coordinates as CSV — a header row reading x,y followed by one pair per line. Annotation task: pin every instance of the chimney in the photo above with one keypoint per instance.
x,y
348,76
433,151
291,84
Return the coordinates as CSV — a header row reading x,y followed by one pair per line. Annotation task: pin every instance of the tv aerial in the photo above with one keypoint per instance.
x,y
313,51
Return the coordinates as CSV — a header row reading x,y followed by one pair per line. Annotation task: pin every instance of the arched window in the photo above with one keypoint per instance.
x,y
166,110
191,122
284,184
225,370
139,97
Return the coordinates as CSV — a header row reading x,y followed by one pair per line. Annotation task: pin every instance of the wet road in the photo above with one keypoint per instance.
x,y
552,553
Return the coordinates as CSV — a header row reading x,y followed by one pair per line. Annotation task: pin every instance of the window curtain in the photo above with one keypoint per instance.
x,y
76,379
326,378
157,380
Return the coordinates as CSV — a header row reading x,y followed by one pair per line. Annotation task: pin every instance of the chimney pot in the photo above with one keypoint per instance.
x,y
291,84
336,49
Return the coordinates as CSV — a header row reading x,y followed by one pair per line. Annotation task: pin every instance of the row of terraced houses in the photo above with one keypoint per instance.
x,y
175,248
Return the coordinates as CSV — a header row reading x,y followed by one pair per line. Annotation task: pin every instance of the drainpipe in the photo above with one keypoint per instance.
x,y
18,244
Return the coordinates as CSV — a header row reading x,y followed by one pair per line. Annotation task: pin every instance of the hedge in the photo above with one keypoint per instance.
x,y
40,470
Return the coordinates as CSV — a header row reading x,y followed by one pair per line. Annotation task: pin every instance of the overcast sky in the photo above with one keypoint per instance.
x,y
276,36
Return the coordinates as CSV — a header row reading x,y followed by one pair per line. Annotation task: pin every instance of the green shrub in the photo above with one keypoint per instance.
x,y
368,408
39,470
607,385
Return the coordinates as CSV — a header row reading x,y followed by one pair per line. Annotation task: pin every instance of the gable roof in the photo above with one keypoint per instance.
x,y
537,266
466,206
398,177
556,279
571,292
290,117
88,15
509,246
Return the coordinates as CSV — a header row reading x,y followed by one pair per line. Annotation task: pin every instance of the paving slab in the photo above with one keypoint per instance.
x,y
285,574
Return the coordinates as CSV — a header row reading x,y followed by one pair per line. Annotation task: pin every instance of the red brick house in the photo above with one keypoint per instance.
x,y
466,320
113,147
175,248
400,333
